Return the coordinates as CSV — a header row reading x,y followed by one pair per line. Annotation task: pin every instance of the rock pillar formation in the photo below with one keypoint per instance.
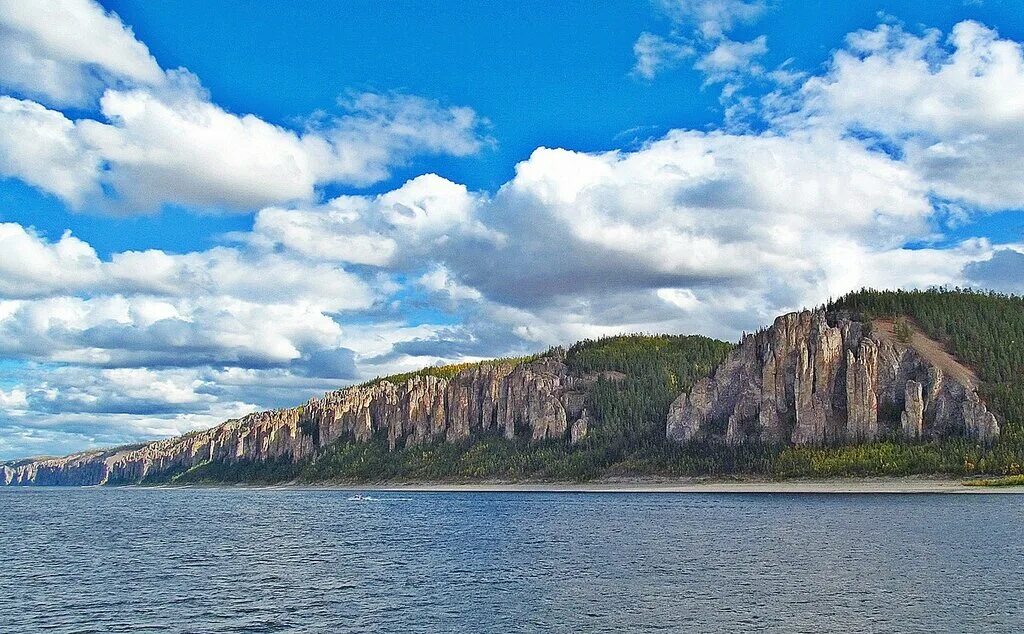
x,y
537,400
814,378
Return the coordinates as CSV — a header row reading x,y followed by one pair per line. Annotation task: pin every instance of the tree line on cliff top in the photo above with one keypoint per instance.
x,y
984,330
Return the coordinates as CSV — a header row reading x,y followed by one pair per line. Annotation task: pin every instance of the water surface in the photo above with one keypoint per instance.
x,y
252,560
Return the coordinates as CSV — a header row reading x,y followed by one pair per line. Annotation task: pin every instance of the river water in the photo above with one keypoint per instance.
x,y
291,560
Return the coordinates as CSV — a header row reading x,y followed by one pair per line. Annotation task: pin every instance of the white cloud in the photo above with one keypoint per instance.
x,y
395,229
15,399
190,151
119,331
954,107
655,53
158,137
45,149
439,280
693,208
714,18
181,148
31,267
429,206
331,233
65,52
682,298
257,277
272,301
224,306
729,58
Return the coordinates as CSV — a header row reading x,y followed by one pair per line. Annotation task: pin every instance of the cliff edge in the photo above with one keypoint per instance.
x,y
538,400
816,378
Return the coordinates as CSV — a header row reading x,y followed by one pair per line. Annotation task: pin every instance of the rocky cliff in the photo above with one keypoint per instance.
x,y
817,378
540,399
812,378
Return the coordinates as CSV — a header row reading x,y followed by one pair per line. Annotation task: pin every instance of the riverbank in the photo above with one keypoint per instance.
x,y
640,485
904,485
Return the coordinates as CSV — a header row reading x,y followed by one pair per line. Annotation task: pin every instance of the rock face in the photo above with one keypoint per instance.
x,y
817,378
537,400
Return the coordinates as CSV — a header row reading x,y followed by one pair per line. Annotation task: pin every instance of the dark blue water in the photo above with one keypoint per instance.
x,y
228,560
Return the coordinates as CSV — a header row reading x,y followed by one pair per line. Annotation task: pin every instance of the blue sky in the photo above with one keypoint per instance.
x,y
212,207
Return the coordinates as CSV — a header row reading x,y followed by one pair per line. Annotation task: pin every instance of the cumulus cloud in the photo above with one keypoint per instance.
x,y
335,232
439,280
224,306
157,137
395,229
178,147
953,106
15,399
187,150
691,209
45,149
32,267
276,298
66,52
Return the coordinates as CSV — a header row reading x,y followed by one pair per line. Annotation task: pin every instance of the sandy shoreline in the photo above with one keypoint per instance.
x,y
908,485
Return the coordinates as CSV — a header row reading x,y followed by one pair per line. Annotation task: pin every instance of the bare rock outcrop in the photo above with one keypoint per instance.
x,y
537,400
912,417
580,428
817,378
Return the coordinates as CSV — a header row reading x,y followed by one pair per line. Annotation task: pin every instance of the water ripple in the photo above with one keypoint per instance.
x,y
279,560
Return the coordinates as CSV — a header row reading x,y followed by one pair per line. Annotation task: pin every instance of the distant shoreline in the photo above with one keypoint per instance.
x,y
836,486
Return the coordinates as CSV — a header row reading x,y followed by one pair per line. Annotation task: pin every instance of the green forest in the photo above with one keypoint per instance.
x,y
984,330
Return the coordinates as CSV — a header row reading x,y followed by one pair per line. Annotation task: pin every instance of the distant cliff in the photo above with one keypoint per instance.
x,y
538,400
816,378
